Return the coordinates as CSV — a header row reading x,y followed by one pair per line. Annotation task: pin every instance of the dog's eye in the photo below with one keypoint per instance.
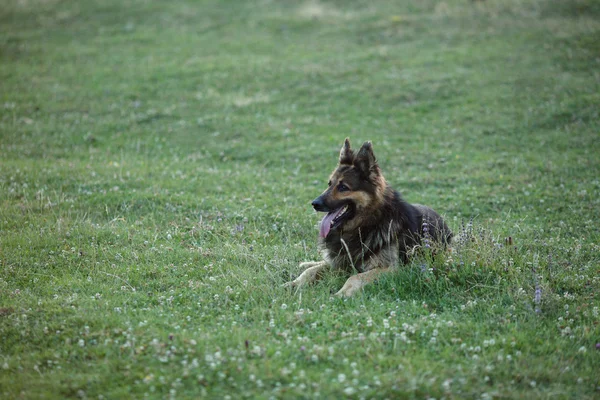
x,y
329,183
343,188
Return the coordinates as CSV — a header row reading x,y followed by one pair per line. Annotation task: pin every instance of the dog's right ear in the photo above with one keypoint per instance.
x,y
346,154
366,163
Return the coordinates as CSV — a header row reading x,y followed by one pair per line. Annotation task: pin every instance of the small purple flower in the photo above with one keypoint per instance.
x,y
426,236
537,299
538,295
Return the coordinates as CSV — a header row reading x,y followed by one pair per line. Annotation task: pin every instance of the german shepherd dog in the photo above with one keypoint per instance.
x,y
368,227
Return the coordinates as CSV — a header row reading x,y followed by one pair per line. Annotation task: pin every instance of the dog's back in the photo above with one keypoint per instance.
x,y
432,224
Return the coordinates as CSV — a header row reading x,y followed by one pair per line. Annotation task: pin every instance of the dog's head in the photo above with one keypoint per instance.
x,y
356,187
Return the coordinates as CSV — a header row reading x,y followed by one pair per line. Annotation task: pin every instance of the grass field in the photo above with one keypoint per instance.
x,y
157,163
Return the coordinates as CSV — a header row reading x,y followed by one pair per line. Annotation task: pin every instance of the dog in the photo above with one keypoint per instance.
x,y
368,228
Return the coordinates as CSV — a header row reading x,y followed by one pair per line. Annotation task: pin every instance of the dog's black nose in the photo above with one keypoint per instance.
x,y
318,205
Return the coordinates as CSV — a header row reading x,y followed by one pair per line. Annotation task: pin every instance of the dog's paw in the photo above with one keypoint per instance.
x,y
352,286
347,291
298,282
290,284
310,275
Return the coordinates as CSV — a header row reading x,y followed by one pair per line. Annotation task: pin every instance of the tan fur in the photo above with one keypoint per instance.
x,y
362,199
380,186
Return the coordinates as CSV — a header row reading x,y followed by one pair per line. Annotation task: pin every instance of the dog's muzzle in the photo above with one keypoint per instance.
x,y
319,205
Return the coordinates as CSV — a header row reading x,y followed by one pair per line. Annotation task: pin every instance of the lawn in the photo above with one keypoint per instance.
x,y
157,164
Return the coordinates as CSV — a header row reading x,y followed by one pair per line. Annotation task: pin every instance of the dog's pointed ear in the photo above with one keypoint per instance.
x,y
346,154
366,162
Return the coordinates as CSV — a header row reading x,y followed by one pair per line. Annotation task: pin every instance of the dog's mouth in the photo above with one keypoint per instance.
x,y
335,219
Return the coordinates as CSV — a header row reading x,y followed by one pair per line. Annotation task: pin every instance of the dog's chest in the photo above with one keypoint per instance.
x,y
352,252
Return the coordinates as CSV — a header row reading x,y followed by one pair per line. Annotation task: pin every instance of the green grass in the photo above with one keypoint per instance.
x,y
157,163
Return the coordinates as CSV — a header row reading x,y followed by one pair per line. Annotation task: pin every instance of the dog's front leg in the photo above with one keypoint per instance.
x,y
307,264
356,282
311,274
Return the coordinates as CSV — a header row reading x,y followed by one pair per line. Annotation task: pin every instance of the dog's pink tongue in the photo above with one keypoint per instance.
x,y
326,222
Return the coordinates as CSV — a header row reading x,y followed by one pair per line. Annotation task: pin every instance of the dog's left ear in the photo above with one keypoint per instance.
x,y
346,154
366,162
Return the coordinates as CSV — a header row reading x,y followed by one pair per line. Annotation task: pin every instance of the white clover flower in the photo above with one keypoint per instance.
x,y
349,391
446,384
